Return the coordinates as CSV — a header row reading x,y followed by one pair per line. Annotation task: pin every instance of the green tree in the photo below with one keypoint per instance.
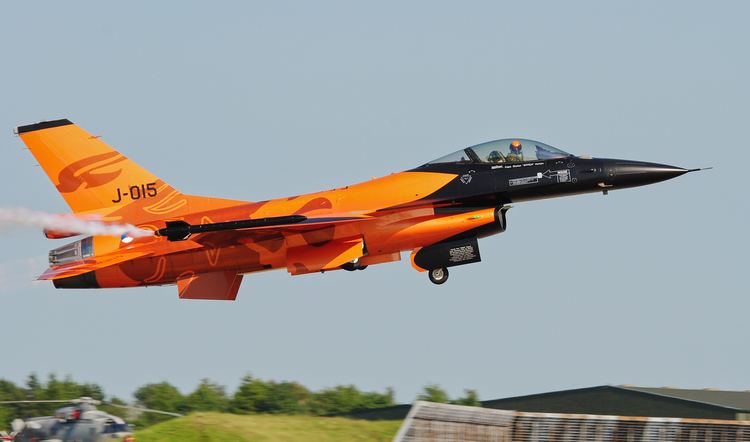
x,y
337,400
207,396
470,398
259,396
433,393
34,388
285,398
117,411
10,392
250,396
68,389
345,399
34,391
376,400
162,396
93,391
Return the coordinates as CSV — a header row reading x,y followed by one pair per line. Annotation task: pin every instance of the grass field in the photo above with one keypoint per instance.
x,y
211,427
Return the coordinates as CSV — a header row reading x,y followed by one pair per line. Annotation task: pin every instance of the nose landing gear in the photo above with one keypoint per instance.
x,y
439,275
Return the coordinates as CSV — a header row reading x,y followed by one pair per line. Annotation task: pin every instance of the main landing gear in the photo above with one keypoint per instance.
x,y
438,276
354,265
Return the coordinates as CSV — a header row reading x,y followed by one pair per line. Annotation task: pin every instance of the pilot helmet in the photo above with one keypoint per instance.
x,y
515,146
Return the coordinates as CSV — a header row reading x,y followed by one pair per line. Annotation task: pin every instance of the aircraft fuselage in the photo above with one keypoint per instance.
x,y
417,208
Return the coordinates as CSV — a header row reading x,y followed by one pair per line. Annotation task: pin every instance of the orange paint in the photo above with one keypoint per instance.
x,y
371,221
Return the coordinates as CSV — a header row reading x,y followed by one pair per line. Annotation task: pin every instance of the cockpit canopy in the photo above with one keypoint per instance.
x,y
509,150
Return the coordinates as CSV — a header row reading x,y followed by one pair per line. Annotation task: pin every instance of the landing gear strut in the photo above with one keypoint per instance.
x,y
438,276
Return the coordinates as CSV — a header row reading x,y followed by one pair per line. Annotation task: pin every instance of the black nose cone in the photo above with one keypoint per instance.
x,y
625,173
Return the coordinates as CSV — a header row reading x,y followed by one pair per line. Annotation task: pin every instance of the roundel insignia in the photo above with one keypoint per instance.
x,y
466,178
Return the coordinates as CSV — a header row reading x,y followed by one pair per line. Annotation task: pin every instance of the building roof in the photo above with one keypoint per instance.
x,y
738,400
735,400
625,400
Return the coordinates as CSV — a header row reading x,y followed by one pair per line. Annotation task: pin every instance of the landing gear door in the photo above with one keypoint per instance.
x,y
447,254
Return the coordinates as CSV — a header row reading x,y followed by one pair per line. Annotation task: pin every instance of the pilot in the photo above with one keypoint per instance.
x,y
75,414
495,157
515,154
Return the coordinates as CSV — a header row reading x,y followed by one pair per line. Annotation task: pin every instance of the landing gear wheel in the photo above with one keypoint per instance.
x,y
438,276
352,266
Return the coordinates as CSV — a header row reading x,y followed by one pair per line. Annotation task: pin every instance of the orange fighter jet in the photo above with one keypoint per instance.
x,y
205,245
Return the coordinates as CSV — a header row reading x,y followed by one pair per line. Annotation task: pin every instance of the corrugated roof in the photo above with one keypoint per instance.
x,y
738,400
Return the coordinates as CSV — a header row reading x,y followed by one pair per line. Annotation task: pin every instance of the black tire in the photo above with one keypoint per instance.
x,y
350,266
438,276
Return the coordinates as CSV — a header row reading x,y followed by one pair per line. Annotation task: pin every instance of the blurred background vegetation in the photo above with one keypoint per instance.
x,y
253,396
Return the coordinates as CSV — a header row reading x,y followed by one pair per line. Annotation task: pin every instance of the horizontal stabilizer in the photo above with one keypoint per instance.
x,y
89,264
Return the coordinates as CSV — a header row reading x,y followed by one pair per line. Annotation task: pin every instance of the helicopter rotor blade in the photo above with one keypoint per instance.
x,y
41,401
88,400
145,410
80,400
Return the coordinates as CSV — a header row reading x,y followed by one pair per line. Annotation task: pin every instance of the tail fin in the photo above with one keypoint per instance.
x,y
93,178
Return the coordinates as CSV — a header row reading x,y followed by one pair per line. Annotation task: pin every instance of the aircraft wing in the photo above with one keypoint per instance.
x,y
321,251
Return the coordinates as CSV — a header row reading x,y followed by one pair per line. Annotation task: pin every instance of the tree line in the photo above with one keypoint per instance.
x,y
253,395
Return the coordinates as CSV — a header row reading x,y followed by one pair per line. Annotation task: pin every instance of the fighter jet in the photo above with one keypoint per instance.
x,y
437,212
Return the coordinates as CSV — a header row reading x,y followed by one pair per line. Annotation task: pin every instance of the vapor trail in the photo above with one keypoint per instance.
x,y
13,217
21,273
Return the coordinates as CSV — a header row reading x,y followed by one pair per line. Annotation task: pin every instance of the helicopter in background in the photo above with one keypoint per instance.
x,y
78,420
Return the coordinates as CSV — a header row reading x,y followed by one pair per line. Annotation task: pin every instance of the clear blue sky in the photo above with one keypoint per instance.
x,y
259,100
